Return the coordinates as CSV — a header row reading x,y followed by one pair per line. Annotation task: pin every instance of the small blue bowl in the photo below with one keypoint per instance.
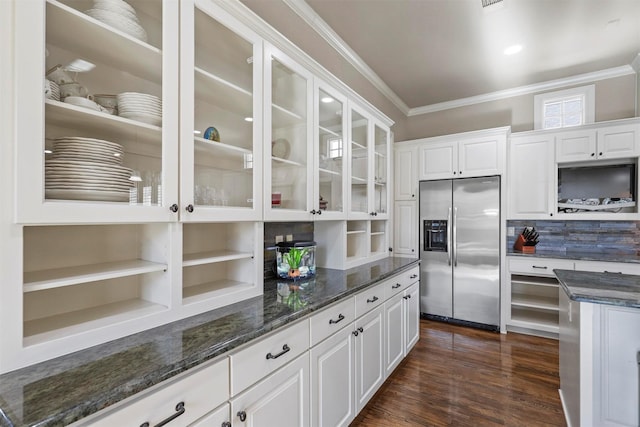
x,y
212,134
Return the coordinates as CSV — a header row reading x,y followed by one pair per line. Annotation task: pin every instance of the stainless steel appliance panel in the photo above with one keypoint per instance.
x,y
476,254
436,276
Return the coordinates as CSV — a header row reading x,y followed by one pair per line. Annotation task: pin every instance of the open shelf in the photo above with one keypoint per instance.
x,y
65,324
540,302
213,256
59,277
534,281
533,319
204,291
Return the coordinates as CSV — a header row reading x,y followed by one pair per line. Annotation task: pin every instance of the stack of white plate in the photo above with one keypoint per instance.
x,y
141,107
118,14
87,169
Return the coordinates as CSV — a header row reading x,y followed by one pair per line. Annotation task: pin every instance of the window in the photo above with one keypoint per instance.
x,y
564,108
334,146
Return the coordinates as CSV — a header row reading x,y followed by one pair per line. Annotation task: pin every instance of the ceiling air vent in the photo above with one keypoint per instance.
x,y
488,3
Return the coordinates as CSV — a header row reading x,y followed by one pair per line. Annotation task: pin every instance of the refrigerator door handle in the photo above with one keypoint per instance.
x,y
449,237
455,237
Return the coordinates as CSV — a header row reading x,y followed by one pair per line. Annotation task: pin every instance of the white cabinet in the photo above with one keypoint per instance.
x,y
289,158
369,351
281,399
402,319
533,296
531,177
599,363
405,172
220,87
183,399
80,164
604,142
462,155
405,226
333,379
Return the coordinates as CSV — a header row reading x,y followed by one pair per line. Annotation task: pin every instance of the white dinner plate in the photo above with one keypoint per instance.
x,y
90,195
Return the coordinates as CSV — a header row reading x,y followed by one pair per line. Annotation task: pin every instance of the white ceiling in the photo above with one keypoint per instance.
x,y
430,52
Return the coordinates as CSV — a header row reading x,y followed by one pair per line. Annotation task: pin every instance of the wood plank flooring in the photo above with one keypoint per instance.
x,y
459,376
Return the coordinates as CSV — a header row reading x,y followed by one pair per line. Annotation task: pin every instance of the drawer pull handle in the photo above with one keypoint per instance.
x,y
242,415
374,299
544,267
613,272
340,318
396,286
285,349
413,276
179,411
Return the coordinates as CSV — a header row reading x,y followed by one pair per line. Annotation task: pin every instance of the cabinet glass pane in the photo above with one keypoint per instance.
x,y
223,116
359,163
330,152
289,132
103,104
381,174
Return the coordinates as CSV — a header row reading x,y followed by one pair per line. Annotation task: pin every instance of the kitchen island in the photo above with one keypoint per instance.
x,y
66,389
599,347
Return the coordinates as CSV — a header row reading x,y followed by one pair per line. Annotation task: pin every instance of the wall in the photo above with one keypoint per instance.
x,y
299,230
615,99
596,237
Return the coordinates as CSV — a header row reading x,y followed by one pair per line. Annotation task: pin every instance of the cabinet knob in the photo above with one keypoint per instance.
x,y
413,196
355,333
173,208
460,172
454,172
361,329
600,153
225,424
242,415
593,154
312,212
189,208
319,212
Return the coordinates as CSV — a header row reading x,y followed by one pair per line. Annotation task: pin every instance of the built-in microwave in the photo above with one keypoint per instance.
x,y
592,188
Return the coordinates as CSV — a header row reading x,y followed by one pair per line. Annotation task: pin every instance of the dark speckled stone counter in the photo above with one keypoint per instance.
x,y
601,288
585,256
62,390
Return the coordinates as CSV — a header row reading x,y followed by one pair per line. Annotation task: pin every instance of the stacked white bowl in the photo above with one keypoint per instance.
x,y
120,15
142,107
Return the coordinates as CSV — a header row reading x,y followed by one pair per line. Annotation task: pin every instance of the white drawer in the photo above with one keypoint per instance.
x,y
608,267
332,319
538,266
260,359
401,281
200,391
370,298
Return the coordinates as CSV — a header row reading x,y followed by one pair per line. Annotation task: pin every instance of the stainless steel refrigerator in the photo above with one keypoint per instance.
x,y
460,251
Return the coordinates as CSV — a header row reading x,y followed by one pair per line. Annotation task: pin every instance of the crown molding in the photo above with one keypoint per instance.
x,y
525,90
302,9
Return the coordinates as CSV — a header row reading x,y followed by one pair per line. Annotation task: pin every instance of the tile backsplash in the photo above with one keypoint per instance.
x,y
299,231
604,237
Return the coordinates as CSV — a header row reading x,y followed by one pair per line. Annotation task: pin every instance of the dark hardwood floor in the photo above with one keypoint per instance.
x,y
458,376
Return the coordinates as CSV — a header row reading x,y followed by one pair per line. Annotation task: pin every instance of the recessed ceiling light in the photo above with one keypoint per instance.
x,y
197,132
327,99
512,50
80,66
248,119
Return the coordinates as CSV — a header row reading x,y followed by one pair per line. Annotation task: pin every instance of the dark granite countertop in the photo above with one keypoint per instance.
x,y
68,388
584,256
601,288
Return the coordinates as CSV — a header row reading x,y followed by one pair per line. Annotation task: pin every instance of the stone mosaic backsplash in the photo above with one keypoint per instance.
x,y
598,237
299,231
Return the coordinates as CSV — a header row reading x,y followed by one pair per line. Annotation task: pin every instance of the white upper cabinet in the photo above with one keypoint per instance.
x,y
531,177
369,149
220,116
463,156
80,160
406,173
289,158
607,142
329,201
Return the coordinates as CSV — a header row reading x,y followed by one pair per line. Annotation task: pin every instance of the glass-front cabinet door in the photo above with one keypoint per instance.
x,y
220,124
97,111
331,164
381,166
288,127
360,140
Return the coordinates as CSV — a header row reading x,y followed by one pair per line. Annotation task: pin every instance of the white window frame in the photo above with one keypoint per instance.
x,y
587,92
335,152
